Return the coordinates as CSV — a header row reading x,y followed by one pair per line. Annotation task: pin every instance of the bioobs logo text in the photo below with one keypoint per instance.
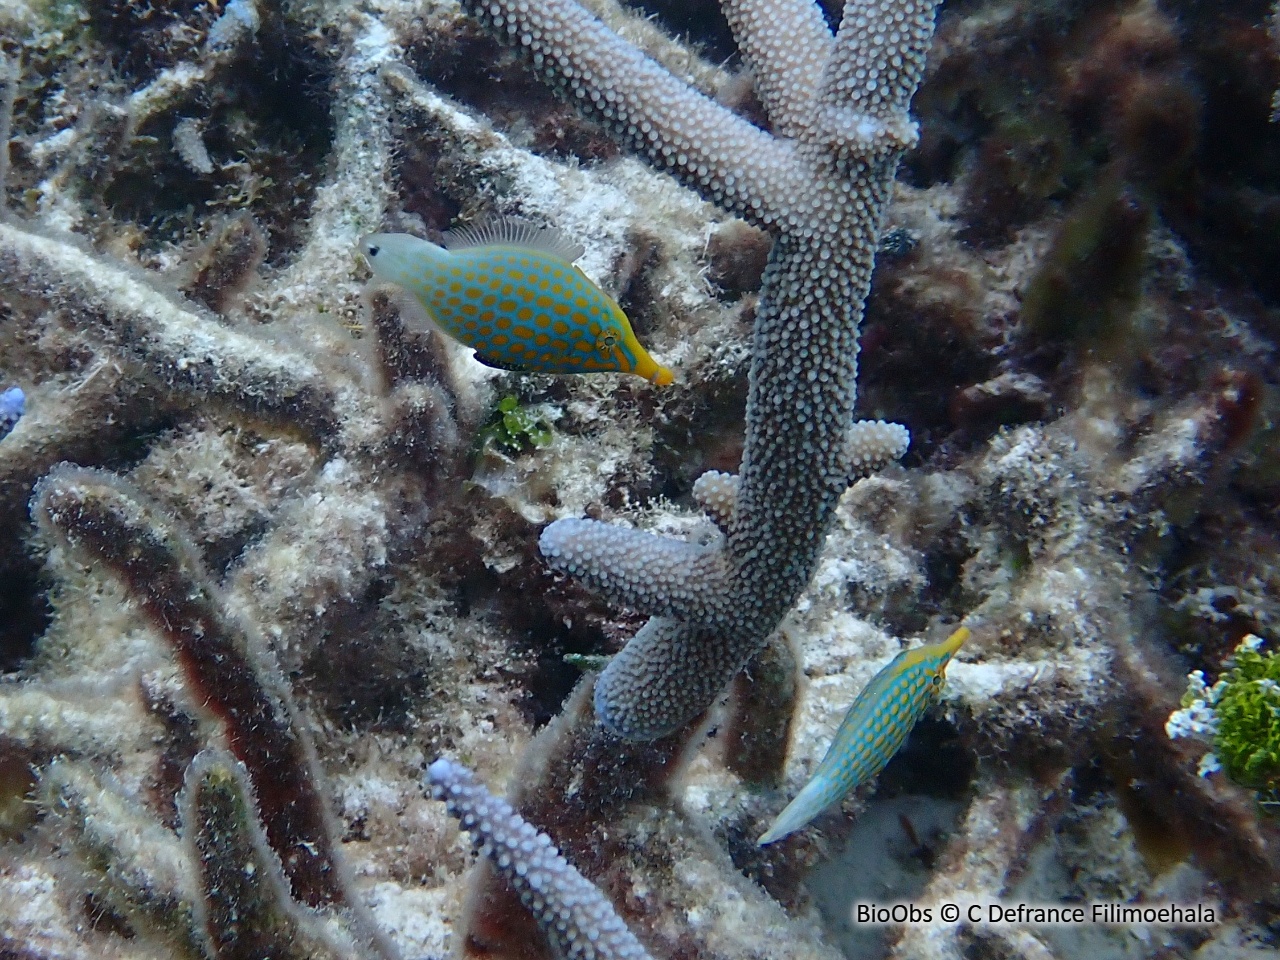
x,y
891,913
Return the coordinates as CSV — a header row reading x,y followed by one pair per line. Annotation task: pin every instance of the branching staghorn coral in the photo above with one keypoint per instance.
x,y
577,917
839,106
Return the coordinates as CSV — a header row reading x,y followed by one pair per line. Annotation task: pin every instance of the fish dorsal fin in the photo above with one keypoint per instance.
x,y
513,232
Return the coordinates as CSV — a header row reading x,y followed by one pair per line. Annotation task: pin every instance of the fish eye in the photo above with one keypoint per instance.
x,y
372,249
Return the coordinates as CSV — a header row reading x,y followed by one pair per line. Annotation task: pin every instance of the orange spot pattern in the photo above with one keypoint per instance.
x,y
526,309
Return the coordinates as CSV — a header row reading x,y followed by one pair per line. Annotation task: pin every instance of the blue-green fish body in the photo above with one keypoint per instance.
x,y
873,730
509,289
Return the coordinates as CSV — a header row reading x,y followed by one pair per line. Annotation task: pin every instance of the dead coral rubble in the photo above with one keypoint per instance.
x,y
224,669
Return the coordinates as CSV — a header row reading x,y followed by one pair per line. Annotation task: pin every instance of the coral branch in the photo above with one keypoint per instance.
x,y
244,911
135,866
824,192
81,423
354,197
678,129
786,45
573,912
878,59
178,344
717,494
117,527
175,84
659,576
870,445
10,71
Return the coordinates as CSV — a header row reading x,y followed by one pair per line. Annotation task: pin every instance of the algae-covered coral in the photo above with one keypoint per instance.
x,y
1248,714
1240,716
252,582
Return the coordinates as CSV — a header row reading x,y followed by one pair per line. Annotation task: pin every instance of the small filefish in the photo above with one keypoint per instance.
x,y
873,730
508,288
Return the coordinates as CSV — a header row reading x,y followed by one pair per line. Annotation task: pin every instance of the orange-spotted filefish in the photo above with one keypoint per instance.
x,y
873,730
508,288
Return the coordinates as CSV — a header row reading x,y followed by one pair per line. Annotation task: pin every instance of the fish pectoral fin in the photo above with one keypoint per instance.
x,y
416,315
499,364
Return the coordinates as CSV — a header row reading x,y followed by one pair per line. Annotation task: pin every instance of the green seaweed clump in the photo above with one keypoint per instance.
x,y
1247,708
514,429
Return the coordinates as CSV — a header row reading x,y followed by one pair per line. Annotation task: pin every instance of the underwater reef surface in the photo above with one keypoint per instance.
x,y
269,543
